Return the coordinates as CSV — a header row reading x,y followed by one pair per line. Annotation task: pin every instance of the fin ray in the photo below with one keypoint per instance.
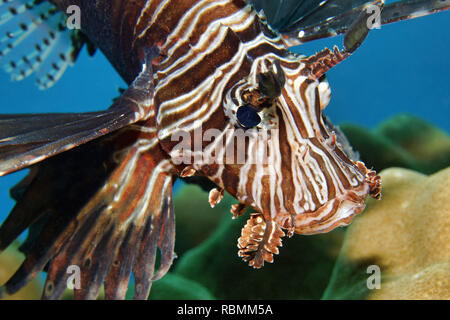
x,y
303,21
110,234
34,39
43,136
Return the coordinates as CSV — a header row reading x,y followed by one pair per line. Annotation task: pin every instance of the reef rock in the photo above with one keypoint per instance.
x,y
406,235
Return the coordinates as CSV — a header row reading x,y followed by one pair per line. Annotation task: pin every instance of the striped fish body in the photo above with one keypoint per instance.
x,y
214,91
210,52
202,81
121,29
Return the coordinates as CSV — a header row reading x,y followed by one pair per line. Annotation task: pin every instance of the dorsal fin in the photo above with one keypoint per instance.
x,y
34,39
301,21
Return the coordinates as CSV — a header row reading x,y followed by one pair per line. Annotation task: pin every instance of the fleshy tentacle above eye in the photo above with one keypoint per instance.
x,y
271,83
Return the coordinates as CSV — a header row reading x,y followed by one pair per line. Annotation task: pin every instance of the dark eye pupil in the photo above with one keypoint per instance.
x,y
248,117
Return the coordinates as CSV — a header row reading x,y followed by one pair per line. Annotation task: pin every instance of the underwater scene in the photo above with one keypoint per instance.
x,y
85,195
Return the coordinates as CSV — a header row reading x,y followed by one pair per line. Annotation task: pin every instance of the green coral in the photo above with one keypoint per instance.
x,y
196,221
402,141
176,287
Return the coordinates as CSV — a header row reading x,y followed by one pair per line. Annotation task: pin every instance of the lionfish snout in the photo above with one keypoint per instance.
x,y
325,186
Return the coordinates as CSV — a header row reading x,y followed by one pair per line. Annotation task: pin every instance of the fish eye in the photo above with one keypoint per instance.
x,y
248,116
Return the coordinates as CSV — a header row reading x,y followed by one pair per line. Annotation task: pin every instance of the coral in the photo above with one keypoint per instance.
x,y
402,141
10,260
301,271
176,287
195,219
407,235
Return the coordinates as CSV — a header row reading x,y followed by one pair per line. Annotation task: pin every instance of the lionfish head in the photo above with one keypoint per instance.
x,y
278,155
297,169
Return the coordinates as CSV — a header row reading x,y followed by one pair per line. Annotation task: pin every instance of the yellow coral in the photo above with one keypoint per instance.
x,y
407,234
10,260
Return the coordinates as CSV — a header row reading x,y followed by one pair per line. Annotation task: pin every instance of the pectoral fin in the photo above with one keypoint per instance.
x,y
105,229
28,139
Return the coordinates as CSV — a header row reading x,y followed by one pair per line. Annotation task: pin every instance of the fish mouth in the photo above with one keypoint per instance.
x,y
337,212
341,210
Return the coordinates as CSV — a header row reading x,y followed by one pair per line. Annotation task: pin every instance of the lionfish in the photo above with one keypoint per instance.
x,y
99,191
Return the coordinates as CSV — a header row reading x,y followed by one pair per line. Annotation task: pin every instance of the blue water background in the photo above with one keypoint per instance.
x,y
404,67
